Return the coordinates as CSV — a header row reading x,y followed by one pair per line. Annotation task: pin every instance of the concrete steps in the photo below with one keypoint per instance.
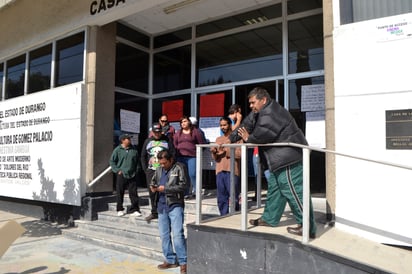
x,y
129,245
133,235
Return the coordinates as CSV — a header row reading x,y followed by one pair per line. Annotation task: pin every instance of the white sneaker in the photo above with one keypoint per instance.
x,y
136,214
120,213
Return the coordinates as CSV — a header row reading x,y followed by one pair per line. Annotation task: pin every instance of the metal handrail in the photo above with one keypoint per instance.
x,y
244,176
95,180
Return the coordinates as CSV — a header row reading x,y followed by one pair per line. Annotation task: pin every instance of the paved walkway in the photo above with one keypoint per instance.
x,y
42,249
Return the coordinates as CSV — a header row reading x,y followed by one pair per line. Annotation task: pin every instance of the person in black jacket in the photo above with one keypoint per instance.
x,y
269,122
170,182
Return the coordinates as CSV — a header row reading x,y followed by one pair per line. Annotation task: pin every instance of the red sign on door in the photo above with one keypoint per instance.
x,y
212,105
173,109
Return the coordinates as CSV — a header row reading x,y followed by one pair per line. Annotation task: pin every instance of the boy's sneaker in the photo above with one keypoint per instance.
x,y
120,213
136,214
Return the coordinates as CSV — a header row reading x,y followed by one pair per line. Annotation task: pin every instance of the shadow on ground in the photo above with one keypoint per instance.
x,y
41,268
40,228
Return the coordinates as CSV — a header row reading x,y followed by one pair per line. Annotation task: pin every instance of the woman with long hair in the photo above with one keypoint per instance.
x,y
185,141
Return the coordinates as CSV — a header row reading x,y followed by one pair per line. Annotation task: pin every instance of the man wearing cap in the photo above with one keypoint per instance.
x,y
155,143
125,164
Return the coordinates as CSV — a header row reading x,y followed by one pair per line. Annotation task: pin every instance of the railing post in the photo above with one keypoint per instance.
x,y
244,180
199,165
232,206
259,183
306,195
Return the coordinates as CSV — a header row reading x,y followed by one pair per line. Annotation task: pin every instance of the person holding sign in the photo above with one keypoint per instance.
x,y
269,122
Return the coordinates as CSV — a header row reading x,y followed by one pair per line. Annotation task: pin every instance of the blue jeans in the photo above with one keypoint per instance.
x,y
190,163
223,191
172,223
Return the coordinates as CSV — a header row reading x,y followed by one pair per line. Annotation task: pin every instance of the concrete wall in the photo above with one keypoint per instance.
x,y
100,84
28,24
219,250
329,108
372,75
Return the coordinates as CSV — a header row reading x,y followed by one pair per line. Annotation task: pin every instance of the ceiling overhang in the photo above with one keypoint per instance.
x,y
175,14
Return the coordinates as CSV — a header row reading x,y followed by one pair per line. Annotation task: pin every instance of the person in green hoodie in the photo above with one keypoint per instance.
x,y
125,164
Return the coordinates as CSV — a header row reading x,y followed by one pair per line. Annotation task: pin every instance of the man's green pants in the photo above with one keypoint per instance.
x,y
286,186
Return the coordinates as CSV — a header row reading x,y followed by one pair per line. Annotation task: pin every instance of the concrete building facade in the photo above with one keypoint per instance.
x,y
75,74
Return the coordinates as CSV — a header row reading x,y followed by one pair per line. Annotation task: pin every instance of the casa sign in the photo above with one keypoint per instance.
x,y
103,5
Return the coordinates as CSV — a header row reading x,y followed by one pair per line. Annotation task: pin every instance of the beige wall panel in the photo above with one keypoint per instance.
x,y
25,24
330,108
104,50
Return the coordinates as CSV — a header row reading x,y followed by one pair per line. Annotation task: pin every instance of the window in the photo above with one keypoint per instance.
x,y
135,104
239,20
159,109
295,90
352,11
242,56
295,6
172,69
132,68
133,35
69,59
306,44
227,102
15,77
171,38
242,92
295,97
40,69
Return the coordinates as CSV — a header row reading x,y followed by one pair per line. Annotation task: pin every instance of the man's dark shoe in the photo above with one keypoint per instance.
x,y
298,230
151,217
190,197
166,265
183,269
258,222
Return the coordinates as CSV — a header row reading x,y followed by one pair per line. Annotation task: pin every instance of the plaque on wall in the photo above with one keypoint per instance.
x,y
399,129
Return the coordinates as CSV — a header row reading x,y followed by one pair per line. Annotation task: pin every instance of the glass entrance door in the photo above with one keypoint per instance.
x,y
130,117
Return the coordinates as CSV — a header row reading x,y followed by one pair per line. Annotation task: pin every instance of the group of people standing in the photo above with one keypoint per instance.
x,y
168,159
268,122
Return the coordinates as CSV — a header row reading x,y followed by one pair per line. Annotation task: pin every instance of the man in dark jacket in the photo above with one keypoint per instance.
x,y
170,181
269,122
151,147
125,164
